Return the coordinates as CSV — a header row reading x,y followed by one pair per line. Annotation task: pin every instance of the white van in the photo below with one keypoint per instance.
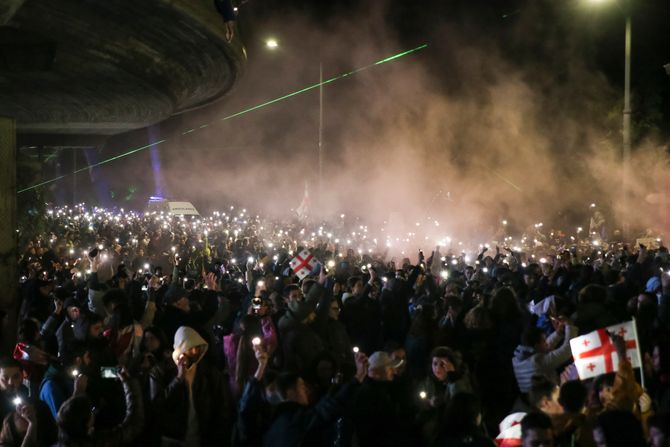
x,y
175,208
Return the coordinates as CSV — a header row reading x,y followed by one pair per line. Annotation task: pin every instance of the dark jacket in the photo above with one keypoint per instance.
x,y
253,416
363,319
301,345
211,402
295,425
122,433
210,398
380,417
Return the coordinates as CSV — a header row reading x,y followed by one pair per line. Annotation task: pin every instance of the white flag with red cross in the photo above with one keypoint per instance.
x,y
303,264
595,354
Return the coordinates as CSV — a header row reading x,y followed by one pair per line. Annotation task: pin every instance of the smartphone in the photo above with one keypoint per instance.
x,y
93,253
109,372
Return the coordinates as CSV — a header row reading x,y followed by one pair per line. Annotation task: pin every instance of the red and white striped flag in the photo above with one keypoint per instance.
x,y
303,264
595,354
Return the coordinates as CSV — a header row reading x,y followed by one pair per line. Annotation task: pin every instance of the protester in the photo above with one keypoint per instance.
x,y
220,340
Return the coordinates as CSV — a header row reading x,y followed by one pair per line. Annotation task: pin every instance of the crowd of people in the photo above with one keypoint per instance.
x,y
150,329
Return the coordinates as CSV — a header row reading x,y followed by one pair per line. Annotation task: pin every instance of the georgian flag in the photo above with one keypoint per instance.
x,y
26,353
303,264
510,431
594,353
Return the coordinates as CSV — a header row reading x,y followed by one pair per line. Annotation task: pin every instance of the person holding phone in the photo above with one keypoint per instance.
x,y
195,407
30,424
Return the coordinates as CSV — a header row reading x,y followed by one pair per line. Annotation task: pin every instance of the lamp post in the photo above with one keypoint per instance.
x,y
627,110
272,44
626,127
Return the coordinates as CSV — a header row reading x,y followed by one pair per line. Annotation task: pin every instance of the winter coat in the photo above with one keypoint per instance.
x,y
59,327
363,318
380,417
295,425
301,346
438,396
210,398
527,362
55,389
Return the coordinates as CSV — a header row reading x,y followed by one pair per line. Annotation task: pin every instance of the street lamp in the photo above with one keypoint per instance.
x,y
626,115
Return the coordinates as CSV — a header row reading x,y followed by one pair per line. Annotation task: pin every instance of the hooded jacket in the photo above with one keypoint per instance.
x,y
527,362
210,397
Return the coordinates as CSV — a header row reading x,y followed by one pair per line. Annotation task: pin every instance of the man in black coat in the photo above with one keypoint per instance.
x,y
196,406
296,423
380,412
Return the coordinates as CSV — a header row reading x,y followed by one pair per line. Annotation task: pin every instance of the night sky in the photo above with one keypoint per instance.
x,y
522,29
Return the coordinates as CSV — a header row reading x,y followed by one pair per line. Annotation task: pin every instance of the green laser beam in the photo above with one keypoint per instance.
x,y
509,182
234,115
327,81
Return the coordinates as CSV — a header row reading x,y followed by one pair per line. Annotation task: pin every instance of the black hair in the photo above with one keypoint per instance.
x,y
73,418
288,289
534,421
540,388
160,335
8,362
593,293
454,357
531,336
351,282
504,305
121,317
28,330
285,382
604,380
83,324
72,350
115,296
572,396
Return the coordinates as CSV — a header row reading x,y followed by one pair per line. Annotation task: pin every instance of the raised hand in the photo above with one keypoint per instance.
x,y
361,361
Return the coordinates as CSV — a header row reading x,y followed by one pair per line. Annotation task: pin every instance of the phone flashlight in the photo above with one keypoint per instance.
x,y
17,401
423,394
256,341
356,349
75,372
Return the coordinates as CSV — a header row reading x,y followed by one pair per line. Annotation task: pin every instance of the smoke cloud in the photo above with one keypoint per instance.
x,y
468,132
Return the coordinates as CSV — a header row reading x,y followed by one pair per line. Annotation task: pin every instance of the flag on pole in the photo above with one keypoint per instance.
x,y
595,354
303,209
303,264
